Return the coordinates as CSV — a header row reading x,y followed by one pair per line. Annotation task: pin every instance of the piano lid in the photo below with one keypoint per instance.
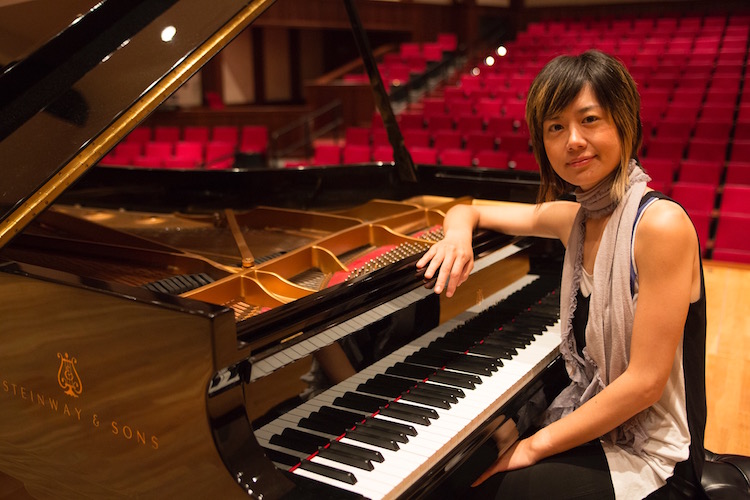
x,y
83,74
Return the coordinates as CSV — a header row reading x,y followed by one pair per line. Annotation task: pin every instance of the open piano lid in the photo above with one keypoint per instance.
x,y
79,78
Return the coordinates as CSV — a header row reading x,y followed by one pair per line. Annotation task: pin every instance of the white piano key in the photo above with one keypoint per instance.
x,y
338,484
377,483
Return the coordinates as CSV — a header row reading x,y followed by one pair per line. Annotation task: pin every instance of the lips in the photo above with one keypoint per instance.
x,y
580,161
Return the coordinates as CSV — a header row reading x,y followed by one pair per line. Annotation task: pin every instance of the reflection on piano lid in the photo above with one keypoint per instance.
x,y
197,352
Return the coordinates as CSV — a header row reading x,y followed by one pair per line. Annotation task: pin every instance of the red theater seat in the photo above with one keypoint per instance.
x,y
382,154
697,197
254,139
196,133
523,161
416,138
447,139
731,242
219,154
359,136
356,153
327,154
455,157
140,134
735,199
738,173
225,133
423,155
703,172
165,133
491,159
661,170
479,141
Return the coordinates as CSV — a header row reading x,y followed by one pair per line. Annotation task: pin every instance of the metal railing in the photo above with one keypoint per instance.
x,y
296,139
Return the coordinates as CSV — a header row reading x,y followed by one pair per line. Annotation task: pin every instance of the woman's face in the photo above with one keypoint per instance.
x,y
582,142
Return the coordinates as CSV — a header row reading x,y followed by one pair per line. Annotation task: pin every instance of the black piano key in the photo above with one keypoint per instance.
x,y
406,416
425,399
408,370
490,350
326,427
399,382
363,402
366,453
418,410
509,350
397,436
345,458
293,443
468,365
456,343
512,332
452,394
463,380
426,359
324,470
313,439
507,340
387,424
506,343
373,439
370,387
281,457
451,357
342,415
479,365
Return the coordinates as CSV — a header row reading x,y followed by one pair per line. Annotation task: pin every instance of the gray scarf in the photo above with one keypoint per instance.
x,y
611,309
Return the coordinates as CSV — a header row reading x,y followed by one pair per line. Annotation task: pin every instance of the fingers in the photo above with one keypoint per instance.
x,y
449,262
498,465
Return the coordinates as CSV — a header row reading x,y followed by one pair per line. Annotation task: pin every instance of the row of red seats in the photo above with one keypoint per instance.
x,y
247,137
727,207
396,68
187,147
334,154
642,28
165,154
499,134
698,149
712,173
628,24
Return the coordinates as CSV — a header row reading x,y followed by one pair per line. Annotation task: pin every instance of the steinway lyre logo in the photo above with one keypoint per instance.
x,y
67,376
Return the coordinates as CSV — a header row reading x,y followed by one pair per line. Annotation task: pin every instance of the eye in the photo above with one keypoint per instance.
x,y
554,127
590,119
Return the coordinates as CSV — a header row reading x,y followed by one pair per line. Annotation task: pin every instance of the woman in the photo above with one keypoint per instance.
x,y
631,422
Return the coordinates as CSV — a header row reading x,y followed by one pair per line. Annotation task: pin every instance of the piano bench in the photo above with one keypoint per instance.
x,y
726,476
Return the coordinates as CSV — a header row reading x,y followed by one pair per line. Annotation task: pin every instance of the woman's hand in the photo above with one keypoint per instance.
x,y
452,259
518,456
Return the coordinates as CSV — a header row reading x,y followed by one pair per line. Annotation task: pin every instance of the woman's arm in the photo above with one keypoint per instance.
x,y
666,250
453,256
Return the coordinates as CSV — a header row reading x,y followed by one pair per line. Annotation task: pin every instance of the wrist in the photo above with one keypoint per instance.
x,y
540,444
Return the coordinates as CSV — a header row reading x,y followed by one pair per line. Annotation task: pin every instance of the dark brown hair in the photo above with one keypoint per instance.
x,y
558,84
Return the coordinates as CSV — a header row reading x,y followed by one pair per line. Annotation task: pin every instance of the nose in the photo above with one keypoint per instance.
x,y
576,139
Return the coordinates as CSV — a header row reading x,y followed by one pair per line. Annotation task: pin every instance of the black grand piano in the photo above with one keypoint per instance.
x,y
284,348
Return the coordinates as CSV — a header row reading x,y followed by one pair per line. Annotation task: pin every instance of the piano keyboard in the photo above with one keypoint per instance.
x,y
379,431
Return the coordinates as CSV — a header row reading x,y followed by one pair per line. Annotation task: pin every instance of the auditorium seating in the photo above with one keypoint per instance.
x,y
188,147
695,110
